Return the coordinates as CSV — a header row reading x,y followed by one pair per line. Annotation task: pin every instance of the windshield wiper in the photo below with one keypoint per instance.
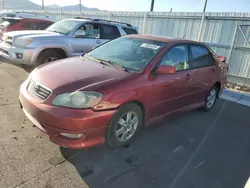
x,y
56,32
116,65
113,64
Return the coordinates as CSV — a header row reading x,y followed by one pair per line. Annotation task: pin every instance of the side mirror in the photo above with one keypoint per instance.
x,y
79,34
166,69
222,58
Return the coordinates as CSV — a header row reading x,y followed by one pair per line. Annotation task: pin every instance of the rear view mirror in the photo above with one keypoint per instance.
x,y
222,58
166,69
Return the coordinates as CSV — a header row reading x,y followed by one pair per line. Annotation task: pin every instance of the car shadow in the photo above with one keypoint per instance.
x,y
156,158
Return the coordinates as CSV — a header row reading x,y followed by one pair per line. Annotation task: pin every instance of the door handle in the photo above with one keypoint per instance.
x,y
98,42
213,70
188,76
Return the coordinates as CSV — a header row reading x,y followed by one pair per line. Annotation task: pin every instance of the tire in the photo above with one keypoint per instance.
x,y
209,103
47,56
114,138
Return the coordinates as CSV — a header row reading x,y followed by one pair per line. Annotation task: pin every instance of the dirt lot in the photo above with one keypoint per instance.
x,y
196,149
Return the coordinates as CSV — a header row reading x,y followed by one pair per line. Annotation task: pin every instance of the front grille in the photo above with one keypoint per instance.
x,y
38,90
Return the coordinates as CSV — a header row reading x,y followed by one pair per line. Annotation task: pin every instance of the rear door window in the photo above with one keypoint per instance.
x,y
109,32
201,56
42,25
29,25
130,31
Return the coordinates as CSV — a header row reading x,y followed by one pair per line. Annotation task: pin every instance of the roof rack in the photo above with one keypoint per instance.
x,y
80,17
110,21
102,20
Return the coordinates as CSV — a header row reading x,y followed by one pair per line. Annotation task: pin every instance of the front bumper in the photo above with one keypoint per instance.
x,y
55,120
10,53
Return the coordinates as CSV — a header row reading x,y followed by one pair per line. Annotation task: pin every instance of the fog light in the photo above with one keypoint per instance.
x,y
19,55
73,136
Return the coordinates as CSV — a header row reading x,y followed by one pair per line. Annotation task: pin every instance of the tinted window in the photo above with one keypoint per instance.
x,y
131,53
110,32
10,15
178,57
201,56
29,25
129,31
42,25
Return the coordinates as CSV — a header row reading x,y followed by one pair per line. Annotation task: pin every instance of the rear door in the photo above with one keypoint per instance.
x,y
204,70
85,38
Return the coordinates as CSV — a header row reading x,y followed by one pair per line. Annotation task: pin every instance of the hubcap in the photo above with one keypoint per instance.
x,y
50,59
211,98
126,126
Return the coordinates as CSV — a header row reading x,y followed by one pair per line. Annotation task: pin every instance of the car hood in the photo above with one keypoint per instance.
x,y
29,32
76,73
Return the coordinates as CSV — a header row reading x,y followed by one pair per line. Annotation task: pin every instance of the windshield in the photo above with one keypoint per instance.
x,y
130,53
64,26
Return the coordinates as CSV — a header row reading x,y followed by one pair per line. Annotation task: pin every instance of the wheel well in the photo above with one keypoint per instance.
x,y
138,103
218,85
58,50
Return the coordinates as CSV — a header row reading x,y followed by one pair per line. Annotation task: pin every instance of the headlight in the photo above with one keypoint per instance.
x,y
78,99
21,42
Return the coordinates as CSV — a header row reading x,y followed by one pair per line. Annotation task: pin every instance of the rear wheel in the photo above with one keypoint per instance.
x,y
211,99
125,126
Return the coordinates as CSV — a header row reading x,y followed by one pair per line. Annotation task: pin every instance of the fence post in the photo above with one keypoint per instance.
x,y
201,26
144,23
110,14
61,14
232,44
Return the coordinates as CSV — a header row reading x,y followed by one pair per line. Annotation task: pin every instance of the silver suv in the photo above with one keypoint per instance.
x,y
65,38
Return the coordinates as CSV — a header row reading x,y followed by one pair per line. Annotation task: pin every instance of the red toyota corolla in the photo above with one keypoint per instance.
x,y
112,92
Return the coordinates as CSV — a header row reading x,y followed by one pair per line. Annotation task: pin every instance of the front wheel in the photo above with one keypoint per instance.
x,y
47,56
211,99
125,126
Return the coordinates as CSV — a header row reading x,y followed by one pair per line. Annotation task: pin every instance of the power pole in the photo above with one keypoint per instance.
x,y
152,5
43,4
205,6
80,5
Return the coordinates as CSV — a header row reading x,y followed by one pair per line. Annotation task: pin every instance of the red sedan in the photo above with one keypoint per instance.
x,y
111,93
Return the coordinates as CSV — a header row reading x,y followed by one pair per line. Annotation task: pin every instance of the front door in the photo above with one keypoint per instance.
x,y
85,39
172,92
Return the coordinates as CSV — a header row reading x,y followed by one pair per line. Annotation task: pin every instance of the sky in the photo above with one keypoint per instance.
x,y
160,5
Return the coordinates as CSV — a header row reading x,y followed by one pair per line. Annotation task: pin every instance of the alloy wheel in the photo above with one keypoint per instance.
x,y
126,126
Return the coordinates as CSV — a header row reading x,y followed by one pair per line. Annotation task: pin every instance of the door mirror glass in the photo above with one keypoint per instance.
x,y
222,58
166,69
79,34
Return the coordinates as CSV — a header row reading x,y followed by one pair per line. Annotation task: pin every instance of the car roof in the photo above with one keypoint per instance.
x,y
23,14
18,18
162,38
